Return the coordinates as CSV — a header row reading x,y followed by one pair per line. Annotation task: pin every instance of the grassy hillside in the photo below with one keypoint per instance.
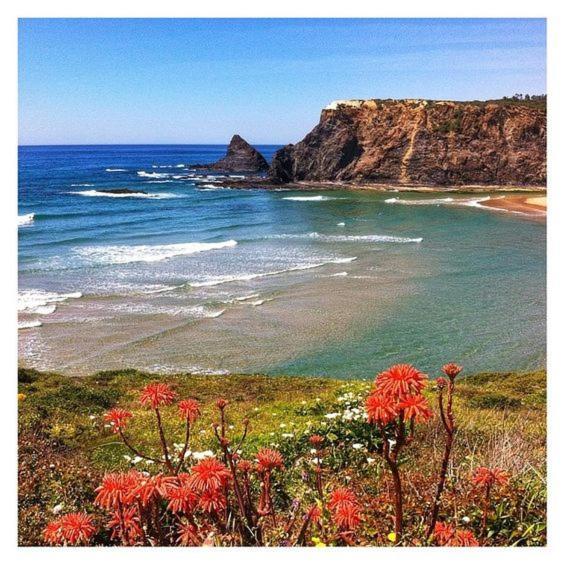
x,y
66,446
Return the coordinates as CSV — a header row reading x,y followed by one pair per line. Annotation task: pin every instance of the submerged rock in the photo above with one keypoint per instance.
x,y
122,191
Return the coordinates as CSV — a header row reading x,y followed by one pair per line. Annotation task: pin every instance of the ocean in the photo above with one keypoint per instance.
x,y
195,277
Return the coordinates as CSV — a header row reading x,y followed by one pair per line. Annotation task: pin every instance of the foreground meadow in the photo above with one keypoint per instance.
x,y
458,461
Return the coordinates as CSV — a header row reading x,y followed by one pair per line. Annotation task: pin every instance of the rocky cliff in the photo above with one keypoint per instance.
x,y
240,157
415,142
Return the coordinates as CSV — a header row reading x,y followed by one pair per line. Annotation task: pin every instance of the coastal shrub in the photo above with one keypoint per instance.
x,y
495,401
27,375
298,491
77,398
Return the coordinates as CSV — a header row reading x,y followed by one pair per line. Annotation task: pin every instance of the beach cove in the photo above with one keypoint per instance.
x,y
129,258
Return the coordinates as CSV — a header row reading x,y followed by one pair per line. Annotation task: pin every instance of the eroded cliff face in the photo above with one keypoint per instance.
x,y
415,142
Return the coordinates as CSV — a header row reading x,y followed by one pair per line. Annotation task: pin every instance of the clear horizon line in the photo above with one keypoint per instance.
x,y
138,144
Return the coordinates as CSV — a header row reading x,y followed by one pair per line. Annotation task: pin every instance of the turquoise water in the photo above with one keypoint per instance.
x,y
191,276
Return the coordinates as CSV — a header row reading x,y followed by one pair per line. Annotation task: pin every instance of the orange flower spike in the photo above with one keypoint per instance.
x,y
401,380
117,489
268,460
73,529
489,477
156,395
380,408
209,474
416,407
189,410
451,370
118,418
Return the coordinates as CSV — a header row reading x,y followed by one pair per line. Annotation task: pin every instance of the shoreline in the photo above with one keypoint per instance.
x,y
523,204
267,184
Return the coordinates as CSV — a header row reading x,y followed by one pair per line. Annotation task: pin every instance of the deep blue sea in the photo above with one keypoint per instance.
x,y
192,276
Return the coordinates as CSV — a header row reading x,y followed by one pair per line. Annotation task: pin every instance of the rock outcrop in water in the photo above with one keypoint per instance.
x,y
240,157
417,142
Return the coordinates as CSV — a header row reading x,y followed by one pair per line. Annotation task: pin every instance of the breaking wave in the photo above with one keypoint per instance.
x,y
41,302
310,198
245,277
124,254
26,219
350,238
153,196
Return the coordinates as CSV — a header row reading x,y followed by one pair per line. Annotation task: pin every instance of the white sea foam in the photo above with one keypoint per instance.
x,y
116,170
245,298
471,202
341,224
246,277
124,254
26,219
310,198
200,180
476,202
421,202
144,174
29,324
344,273
41,302
349,238
81,185
153,196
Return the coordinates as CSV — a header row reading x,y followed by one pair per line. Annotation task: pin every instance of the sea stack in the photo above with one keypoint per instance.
x,y
421,142
241,157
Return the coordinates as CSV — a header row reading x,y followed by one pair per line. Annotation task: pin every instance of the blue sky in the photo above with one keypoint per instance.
x,y
200,81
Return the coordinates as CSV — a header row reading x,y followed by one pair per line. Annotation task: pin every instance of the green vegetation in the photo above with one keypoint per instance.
x,y
65,446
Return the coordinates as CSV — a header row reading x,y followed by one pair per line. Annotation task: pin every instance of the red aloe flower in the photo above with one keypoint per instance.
x,y
182,499
221,403
488,477
380,408
188,535
150,488
212,501
416,407
268,460
156,394
189,410
117,489
244,466
126,525
345,509
441,383
443,533
316,441
73,529
347,516
52,533
401,380
314,514
451,370
340,496
463,538
118,418
210,474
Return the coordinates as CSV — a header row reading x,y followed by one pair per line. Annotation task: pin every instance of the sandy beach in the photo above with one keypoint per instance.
x,y
525,204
